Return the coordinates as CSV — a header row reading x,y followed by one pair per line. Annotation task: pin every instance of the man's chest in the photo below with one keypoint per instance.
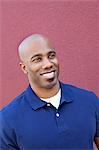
x,y
51,128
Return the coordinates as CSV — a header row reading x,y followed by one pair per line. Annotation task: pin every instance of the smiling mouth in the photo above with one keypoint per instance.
x,y
48,74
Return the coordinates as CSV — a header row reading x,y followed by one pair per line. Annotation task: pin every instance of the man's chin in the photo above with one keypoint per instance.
x,y
51,83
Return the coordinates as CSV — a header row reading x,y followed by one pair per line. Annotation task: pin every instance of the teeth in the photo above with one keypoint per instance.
x,y
49,75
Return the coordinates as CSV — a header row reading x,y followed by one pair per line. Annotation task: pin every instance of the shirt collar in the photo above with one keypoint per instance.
x,y
36,102
33,99
66,93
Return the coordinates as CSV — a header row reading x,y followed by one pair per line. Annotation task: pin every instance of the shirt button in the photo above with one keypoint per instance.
x,y
57,114
48,104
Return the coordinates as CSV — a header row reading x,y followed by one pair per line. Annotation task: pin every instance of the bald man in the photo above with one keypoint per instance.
x,y
49,114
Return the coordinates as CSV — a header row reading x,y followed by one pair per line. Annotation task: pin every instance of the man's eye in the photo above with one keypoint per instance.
x,y
52,56
37,59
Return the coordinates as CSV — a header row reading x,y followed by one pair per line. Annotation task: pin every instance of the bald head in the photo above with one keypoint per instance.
x,y
24,45
39,62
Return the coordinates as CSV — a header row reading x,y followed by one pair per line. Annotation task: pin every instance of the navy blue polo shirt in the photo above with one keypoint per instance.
x,y
28,123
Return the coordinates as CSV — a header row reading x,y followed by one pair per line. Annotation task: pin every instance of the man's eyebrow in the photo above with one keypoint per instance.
x,y
37,55
52,52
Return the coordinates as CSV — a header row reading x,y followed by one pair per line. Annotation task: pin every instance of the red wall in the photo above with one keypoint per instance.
x,y
73,26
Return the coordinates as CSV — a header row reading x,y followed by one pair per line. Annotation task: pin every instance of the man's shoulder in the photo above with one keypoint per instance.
x,y
15,104
82,96
79,91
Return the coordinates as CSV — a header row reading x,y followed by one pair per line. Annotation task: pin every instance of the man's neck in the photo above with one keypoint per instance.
x,y
46,93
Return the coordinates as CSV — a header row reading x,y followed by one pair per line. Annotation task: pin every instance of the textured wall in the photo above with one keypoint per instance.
x,y
73,26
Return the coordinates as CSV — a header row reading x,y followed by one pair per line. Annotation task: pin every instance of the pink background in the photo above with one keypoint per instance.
x,y
73,27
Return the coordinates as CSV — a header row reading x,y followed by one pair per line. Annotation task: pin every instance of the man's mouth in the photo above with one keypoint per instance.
x,y
49,74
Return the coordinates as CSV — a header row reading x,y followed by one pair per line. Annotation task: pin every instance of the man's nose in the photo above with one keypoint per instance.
x,y
47,63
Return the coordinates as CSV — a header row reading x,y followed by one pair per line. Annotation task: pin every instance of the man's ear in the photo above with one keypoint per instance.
x,y
23,67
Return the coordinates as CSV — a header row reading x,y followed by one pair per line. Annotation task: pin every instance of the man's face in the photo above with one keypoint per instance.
x,y
41,64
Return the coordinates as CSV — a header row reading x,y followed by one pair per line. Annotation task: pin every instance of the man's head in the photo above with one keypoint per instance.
x,y
39,62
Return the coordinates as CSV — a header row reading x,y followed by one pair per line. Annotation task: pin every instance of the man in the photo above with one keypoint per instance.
x,y
48,114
